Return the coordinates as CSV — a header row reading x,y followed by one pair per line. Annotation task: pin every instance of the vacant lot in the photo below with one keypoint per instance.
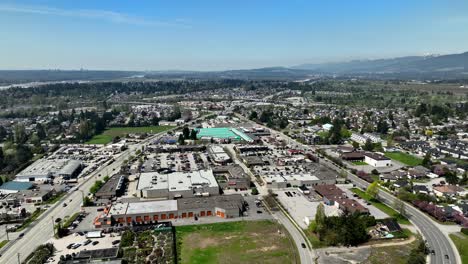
x,y
113,132
391,254
461,241
235,242
405,158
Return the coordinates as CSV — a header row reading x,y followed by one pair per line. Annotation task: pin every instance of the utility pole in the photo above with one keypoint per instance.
x,y
19,261
6,230
53,225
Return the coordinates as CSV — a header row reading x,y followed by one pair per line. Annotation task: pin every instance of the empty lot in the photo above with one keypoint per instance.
x,y
235,242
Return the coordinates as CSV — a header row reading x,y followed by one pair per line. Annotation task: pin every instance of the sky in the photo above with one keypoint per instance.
x,y
220,35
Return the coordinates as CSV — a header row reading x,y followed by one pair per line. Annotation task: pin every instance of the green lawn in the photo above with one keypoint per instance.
x,y
235,242
109,134
3,243
405,158
461,242
359,163
381,206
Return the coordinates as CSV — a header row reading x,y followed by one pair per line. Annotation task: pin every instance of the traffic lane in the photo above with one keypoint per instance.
x,y
432,234
304,253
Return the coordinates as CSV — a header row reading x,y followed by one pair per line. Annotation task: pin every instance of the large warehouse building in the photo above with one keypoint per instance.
x,y
177,184
44,170
226,206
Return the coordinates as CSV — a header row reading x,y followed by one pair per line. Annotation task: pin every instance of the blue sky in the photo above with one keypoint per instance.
x,y
218,35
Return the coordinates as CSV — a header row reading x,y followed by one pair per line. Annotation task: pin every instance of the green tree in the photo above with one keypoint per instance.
x,y
40,131
399,206
373,190
20,134
254,191
253,115
368,146
193,134
186,132
426,162
181,139
355,145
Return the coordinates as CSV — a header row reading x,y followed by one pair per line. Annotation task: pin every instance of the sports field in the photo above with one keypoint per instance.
x,y
235,242
109,134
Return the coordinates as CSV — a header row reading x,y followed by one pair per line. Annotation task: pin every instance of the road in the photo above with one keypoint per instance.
x,y
436,239
40,231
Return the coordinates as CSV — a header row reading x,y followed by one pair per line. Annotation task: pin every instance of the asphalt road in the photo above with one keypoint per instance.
x,y
436,240
40,231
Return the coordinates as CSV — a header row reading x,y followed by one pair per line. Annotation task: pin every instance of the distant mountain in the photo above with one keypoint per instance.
x,y
436,66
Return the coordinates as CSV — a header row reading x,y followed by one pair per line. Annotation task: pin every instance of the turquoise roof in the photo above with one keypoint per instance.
x,y
15,185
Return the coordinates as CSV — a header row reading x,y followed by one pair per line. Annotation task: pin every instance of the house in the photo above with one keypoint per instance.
x,y
449,190
330,193
351,206
401,183
353,156
377,160
420,189
418,172
388,177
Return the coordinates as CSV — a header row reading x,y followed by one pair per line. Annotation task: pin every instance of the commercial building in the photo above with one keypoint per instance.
x,y
45,170
177,184
218,155
223,133
14,187
279,181
377,160
232,177
226,206
112,188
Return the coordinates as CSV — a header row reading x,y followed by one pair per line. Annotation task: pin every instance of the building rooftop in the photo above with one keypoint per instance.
x,y
143,207
177,181
16,186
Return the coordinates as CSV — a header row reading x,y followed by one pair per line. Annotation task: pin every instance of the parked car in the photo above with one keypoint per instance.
x,y
70,246
95,243
115,242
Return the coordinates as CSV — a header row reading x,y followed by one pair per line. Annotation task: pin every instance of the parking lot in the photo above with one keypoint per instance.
x,y
372,209
300,207
62,244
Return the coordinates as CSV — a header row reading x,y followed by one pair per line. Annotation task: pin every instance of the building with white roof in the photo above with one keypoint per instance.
x,y
177,184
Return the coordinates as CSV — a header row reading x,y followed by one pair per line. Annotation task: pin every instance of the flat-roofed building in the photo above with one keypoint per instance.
x,y
112,188
129,213
218,155
177,184
377,160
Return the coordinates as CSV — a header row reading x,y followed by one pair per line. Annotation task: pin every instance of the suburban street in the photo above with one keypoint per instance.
x,y
435,238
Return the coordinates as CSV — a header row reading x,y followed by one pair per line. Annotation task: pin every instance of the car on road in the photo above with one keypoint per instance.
x,y
303,245
432,252
58,220
64,204
259,212
20,235
446,256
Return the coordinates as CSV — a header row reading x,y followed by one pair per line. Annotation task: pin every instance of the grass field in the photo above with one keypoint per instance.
x,y
109,134
461,242
405,158
235,242
358,163
381,206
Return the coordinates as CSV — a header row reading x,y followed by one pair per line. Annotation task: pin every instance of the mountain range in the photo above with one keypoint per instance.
x,y
433,67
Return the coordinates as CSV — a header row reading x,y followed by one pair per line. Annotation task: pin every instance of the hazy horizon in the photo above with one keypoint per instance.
x,y
214,36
